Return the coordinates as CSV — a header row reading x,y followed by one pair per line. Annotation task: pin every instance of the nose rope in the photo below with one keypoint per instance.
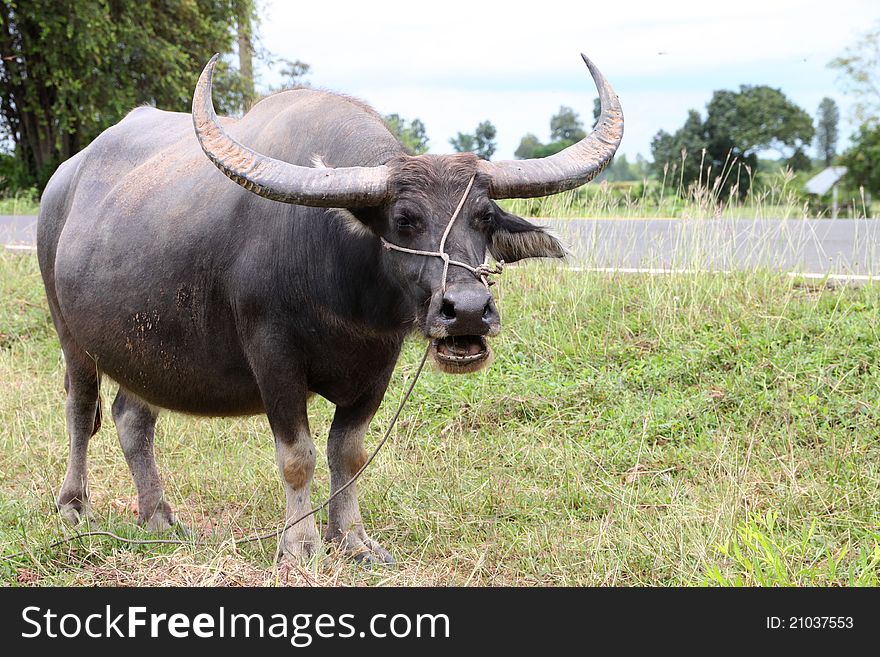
x,y
482,271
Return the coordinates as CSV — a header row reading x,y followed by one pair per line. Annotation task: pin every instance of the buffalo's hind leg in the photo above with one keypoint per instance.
x,y
83,415
136,423
346,455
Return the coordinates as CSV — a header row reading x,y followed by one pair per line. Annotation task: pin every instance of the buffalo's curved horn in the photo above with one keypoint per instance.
x,y
275,179
572,167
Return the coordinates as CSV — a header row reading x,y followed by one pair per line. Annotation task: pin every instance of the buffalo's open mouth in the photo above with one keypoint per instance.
x,y
460,353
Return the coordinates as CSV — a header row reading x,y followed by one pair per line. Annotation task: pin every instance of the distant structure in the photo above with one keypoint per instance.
x,y
825,180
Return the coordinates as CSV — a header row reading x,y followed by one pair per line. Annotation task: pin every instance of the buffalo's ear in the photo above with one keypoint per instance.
x,y
514,238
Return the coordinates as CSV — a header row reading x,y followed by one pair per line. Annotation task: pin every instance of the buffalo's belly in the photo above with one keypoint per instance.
x,y
211,386
147,353
159,335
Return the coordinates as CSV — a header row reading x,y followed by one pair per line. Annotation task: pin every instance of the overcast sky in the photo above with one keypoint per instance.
x,y
453,64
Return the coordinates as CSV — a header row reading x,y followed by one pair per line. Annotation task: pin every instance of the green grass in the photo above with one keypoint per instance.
x,y
24,203
681,430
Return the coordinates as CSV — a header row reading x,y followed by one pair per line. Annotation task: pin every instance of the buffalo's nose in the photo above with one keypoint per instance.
x,y
468,310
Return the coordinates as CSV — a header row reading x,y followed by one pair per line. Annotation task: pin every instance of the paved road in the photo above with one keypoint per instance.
x,y
18,230
841,246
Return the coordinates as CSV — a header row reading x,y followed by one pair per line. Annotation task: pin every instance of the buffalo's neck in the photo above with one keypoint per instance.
x,y
322,271
367,296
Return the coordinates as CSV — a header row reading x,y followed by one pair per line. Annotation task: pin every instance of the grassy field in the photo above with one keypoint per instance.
x,y
681,430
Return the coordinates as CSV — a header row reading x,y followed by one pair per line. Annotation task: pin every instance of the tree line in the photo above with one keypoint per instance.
x,y
70,70
710,151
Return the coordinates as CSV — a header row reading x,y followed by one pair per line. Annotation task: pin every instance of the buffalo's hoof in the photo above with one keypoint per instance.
x,y
75,511
162,519
299,548
364,549
374,556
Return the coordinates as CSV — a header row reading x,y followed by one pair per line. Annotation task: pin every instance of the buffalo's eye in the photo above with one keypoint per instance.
x,y
485,218
405,223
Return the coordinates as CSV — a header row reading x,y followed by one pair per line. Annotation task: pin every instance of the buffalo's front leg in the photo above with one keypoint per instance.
x,y
278,373
345,455
295,455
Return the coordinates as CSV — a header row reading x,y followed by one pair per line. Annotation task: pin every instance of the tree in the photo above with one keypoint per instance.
x,y
566,125
758,118
738,125
66,75
411,134
859,69
245,17
677,156
565,129
481,143
463,143
799,161
546,150
641,167
620,170
826,130
484,140
861,158
292,73
527,147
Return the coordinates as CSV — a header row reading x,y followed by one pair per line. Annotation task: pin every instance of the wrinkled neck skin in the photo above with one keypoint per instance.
x,y
371,299
391,290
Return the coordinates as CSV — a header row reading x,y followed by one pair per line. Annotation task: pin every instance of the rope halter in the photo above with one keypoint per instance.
x,y
482,271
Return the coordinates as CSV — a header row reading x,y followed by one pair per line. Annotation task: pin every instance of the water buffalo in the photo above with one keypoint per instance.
x,y
206,297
